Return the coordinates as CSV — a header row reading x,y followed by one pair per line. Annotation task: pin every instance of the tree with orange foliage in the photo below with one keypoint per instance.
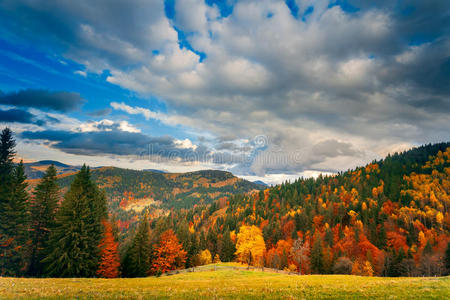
x,y
169,254
109,261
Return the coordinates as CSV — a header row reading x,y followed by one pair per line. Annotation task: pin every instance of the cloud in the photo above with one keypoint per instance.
x,y
118,142
107,125
332,89
81,73
19,116
43,99
100,112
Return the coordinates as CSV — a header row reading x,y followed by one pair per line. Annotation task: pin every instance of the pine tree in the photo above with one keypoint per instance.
x,y
78,230
317,256
228,247
137,258
13,210
192,251
18,217
7,144
43,211
109,261
447,259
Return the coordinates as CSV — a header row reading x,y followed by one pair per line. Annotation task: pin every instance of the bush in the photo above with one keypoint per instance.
x,y
343,265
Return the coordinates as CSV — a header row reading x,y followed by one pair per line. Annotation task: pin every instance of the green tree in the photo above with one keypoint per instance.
x,y
74,250
13,209
447,259
228,247
7,144
43,212
317,256
136,262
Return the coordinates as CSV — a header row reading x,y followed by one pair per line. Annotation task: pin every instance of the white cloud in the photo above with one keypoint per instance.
x,y
106,125
81,73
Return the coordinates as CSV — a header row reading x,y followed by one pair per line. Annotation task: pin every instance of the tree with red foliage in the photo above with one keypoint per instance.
x,y
169,254
109,261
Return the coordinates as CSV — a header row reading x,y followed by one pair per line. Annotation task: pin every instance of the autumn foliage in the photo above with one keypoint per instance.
x,y
109,261
169,253
250,245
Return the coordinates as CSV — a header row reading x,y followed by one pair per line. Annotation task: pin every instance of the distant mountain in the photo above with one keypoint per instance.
x,y
49,162
260,182
154,170
37,169
131,188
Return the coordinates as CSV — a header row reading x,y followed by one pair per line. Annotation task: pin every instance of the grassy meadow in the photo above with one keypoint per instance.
x,y
228,284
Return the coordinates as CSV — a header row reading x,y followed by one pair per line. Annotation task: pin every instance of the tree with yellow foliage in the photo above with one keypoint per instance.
x,y
250,245
204,257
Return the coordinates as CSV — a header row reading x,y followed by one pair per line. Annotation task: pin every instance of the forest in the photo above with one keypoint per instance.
x,y
388,218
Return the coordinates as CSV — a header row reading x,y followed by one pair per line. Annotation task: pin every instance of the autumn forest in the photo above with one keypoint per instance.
x,y
388,218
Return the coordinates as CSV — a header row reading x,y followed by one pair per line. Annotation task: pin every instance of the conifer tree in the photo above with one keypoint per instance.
x,y
317,256
78,230
18,217
43,211
447,259
228,247
7,144
137,258
13,209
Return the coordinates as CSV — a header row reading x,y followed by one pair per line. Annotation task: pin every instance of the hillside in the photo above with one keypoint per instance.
x,y
227,284
132,189
388,218
36,170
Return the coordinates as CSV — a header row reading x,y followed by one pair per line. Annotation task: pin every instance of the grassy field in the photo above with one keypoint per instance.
x,y
228,284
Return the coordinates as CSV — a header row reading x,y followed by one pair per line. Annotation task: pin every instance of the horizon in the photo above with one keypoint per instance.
x,y
266,90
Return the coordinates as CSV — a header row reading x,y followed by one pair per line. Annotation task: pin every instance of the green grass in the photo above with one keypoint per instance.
x,y
228,284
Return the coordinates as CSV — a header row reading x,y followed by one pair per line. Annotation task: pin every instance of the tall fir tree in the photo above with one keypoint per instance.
x,y
447,259
74,250
43,212
317,260
13,210
228,247
19,220
7,144
136,262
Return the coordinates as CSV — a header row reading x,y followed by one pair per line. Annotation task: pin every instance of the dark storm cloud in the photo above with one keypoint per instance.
x,y
19,116
43,99
100,112
116,142
333,148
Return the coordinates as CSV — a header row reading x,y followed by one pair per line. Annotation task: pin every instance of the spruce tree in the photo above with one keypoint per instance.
x,y
228,247
317,256
7,144
447,259
74,250
137,258
43,211
13,209
18,217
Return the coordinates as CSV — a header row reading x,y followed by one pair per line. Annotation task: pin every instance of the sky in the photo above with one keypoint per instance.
x,y
269,90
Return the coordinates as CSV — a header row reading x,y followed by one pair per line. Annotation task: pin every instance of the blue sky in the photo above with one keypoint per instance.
x,y
269,90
